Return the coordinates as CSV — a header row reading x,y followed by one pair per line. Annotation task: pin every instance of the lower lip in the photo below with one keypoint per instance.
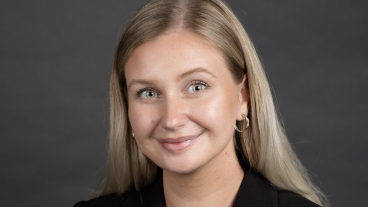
x,y
179,146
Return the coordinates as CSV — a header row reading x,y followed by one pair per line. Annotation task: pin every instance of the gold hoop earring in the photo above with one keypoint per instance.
x,y
246,127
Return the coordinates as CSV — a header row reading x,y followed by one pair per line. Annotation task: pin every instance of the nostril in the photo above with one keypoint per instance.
x,y
173,123
173,116
171,128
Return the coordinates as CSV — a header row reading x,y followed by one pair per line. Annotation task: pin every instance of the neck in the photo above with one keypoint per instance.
x,y
214,184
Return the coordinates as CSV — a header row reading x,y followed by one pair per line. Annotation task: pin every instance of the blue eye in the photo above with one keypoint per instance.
x,y
149,94
197,87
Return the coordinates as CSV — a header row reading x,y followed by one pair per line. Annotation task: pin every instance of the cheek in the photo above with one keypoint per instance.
x,y
141,119
218,113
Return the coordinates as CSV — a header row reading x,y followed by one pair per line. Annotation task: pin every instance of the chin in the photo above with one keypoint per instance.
x,y
181,167
182,171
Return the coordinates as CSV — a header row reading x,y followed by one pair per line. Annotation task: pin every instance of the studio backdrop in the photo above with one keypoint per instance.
x,y
56,58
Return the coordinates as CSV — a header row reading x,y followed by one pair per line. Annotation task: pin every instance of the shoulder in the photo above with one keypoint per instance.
x,y
112,200
291,199
151,195
256,190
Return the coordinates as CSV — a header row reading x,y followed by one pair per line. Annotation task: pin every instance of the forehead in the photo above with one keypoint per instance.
x,y
173,54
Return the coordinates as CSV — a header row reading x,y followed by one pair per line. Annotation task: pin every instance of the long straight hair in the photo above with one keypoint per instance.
x,y
264,145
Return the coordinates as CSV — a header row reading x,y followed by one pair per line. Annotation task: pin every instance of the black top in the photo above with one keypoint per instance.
x,y
254,191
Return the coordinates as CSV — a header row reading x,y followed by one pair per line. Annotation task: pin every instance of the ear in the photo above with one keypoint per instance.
x,y
243,90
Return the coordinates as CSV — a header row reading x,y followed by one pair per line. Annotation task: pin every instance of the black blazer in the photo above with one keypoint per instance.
x,y
254,191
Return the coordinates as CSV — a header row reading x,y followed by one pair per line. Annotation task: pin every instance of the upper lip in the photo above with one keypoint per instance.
x,y
177,140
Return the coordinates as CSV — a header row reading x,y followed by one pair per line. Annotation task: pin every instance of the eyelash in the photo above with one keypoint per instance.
x,y
140,91
196,82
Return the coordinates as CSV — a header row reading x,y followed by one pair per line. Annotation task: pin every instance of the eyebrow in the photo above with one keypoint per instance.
x,y
181,76
141,81
195,70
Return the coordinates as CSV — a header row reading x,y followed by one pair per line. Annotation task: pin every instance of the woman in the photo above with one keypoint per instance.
x,y
192,118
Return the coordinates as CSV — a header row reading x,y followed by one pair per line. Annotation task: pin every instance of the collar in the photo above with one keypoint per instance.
x,y
255,190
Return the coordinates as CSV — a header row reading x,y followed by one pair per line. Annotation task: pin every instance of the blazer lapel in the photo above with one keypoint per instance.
x,y
153,195
255,191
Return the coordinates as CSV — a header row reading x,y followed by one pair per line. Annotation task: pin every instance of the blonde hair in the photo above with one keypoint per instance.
x,y
264,144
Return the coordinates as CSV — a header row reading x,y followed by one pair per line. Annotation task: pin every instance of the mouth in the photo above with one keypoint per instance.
x,y
178,144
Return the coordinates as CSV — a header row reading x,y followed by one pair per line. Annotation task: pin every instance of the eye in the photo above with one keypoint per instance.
x,y
147,93
197,87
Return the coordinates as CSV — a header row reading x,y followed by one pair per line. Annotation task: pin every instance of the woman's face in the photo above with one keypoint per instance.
x,y
182,101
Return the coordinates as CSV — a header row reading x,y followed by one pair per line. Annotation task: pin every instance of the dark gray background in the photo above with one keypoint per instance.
x,y
55,60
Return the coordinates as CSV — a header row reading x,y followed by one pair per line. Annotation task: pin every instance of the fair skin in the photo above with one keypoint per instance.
x,y
182,105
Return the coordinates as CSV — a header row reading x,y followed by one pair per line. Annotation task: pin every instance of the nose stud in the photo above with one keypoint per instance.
x,y
247,125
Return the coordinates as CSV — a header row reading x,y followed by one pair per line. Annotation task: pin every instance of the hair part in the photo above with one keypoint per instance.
x,y
264,145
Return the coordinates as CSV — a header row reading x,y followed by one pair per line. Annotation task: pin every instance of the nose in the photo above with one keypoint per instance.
x,y
173,114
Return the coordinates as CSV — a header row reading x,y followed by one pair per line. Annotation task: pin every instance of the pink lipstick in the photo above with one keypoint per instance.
x,y
178,144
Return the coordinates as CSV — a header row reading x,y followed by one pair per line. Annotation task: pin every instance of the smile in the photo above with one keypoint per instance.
x,y
178,144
